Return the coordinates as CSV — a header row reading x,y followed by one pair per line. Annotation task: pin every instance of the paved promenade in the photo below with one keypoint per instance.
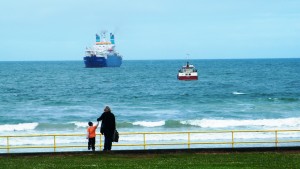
x,y
165,151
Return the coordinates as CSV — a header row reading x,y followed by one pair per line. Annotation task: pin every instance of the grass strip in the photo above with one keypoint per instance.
x,y
272,160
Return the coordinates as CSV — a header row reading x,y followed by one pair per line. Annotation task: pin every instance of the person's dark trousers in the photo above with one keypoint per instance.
x,y
108,138
91,143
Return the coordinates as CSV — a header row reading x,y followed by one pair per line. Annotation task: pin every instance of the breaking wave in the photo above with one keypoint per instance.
x,y
149,123
225,123
18,127
238,93
285,123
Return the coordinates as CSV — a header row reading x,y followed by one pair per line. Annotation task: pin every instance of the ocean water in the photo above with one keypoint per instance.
x,y
61,97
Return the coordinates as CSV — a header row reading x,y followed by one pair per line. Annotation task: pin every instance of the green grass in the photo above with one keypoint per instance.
x,y
272,160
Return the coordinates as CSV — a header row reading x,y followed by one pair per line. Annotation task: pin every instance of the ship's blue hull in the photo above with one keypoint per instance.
x,y
112,60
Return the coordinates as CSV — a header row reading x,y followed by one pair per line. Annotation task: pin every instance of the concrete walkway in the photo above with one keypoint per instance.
x,y
164,151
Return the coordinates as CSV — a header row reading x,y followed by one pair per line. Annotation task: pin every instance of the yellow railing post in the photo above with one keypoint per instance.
x,y
54,146
189,140
100,142
144,141
7,144
232,139
276,138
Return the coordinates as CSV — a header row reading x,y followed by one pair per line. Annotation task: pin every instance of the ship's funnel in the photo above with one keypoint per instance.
x,y
97,38
112,38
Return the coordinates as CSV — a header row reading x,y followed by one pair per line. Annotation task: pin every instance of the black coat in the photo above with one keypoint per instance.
x,y
108,124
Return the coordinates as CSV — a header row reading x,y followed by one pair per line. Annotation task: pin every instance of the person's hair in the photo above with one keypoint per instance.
x,y
90,123
107,109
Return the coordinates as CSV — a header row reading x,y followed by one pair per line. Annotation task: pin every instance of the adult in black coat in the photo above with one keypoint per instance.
x,y
108,127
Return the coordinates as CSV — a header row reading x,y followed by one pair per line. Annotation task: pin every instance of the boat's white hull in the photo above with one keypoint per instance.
x,y
185,76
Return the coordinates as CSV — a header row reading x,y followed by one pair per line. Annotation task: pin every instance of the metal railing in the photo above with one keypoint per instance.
x,y
187,139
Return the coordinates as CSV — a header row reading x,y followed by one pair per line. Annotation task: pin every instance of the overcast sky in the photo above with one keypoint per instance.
x,y
41,30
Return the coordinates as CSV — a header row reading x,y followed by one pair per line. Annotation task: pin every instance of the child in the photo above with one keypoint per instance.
x,y
91,135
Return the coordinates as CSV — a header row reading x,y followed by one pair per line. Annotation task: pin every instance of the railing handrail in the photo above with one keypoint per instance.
x,y
171,132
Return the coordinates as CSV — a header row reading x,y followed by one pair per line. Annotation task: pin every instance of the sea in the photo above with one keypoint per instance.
x,y
61,97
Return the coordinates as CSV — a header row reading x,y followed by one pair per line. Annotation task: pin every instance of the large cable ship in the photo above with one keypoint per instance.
x,y
103,53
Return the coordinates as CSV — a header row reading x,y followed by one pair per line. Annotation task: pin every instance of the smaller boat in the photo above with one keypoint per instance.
x,y
187,72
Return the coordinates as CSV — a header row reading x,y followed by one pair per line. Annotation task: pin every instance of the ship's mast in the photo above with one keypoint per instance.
x,y
103,35
187,60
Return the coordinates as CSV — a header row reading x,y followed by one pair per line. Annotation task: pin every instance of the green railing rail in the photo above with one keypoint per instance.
x,y
187,138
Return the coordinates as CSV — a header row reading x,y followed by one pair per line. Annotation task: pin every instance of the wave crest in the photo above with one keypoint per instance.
x,y
213,123
149,123
238,93
18,127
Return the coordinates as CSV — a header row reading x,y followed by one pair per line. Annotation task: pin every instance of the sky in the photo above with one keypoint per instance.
x,y
54,30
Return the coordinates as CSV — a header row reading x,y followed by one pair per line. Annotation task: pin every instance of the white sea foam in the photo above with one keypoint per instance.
x,y
149,123
18,127
81,124
274,123
238,93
